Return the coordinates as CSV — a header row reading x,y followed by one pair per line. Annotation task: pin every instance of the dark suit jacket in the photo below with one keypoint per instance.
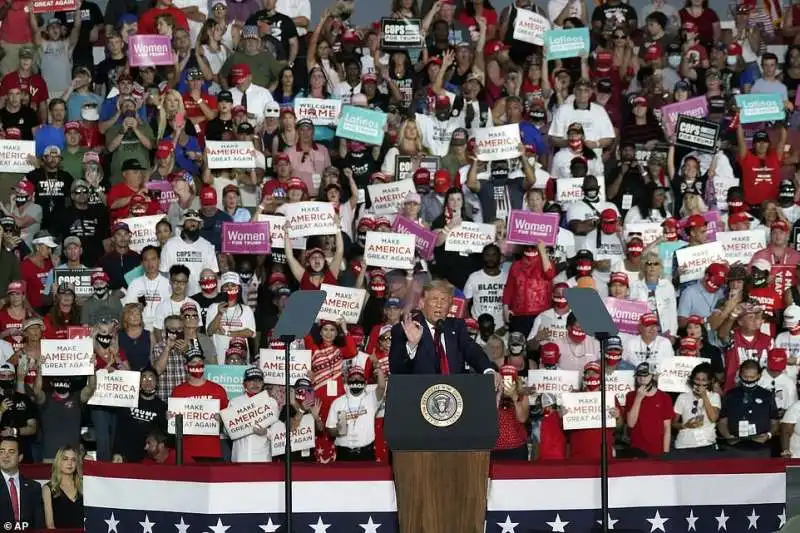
x,y
459,347
31,508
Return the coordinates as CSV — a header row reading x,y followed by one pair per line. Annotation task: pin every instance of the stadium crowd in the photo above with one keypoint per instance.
x,y
117,200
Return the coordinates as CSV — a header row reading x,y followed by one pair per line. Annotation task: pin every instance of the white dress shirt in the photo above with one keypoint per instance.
x,y
15,477
257,98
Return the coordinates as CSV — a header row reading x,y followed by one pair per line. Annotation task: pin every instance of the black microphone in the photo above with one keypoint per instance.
x,y
439,326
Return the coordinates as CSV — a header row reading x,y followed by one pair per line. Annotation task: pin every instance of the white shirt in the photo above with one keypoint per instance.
x,y
559,167
6,351
792,416
360,413
790,343
610,249
235,318
168,307
293,9
194,26
254,448
705,435
557,324
595,122
486,293
154,292
15,477
635,351
436,134
257,98
783,386
344,91
195,256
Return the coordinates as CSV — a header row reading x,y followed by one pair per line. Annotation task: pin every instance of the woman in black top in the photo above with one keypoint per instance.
x,y
453,266
63,494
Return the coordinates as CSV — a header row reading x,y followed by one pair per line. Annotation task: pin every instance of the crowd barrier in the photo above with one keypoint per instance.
x,y
734,496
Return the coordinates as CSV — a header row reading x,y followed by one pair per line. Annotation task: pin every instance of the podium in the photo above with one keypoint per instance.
x,y
440,430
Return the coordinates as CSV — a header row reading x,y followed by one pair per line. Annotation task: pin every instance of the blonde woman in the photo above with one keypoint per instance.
x,y
692,205
409,142
171,106
658,292
175,126
63,494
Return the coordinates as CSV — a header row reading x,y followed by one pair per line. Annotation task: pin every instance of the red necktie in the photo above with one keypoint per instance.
x,y
444,366
12,490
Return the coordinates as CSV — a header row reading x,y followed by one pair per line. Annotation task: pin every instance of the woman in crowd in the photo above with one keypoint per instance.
x,y
64,313
63,494
134,340
696,415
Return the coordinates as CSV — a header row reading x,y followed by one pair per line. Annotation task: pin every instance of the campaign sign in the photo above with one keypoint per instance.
x,y
620,383
322,112
666,251
404,167
199,415
245,238
470,238
525,227
582,410
161,191
14,156
530,27
713,224
147,50
783,277
229,377
673,372
424,238
302,436
497,143
457,307
247,412
561,44
556,382
70,357
696,134
721,186
569,190
230,154
276,223
388,198
80,279
78,332
739,246
401,34
50,6
342,302
693,107
693,260
119,388
649,231
362,125
758,107
389,250
273,364
625,314
143,231
310,218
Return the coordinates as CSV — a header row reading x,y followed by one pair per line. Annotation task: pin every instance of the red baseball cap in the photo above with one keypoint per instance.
x,y
619,277
738,218
688,346
239,73
13,134
164,149
510,371
549,353
648,319
422,176
441,181
608,216
695,319
382,222
492,47
99,276
295,184
653,52
696,221
734,49
777,359
208,196
603,61
17,287
716,274
26,187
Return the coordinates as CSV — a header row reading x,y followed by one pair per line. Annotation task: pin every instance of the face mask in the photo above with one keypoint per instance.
x,y
635,249
608,228
592,195
575,144
674,61
61,387
197,370
591,383
100,291
191,235
748,384
147,394
104,340
356,387
612,358
731,61
21,200
246,276
761,279
560,302
233,295
208,284
576,335
6,384
515,350
584,268
361,238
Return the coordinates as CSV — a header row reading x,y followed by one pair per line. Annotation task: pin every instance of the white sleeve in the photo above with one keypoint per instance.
x,y
333,415
211,313
605,129
557,127
304,9
132,294
248,319
390,162
537,324
211,258
166,257
469,289
791,414
160,316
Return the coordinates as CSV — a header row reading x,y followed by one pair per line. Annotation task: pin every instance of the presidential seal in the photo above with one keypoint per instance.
x,y
441,405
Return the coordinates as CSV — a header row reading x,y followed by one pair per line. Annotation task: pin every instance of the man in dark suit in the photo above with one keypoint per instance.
x,y
415,349
21,506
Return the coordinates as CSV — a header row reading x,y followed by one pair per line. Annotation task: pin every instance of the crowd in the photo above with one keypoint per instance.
x,y
639,213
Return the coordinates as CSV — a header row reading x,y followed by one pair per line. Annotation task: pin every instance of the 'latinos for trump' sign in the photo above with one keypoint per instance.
x,y
150,50
230,154
389,250
273,363
362,125
67,357
245,238
561,44
758,107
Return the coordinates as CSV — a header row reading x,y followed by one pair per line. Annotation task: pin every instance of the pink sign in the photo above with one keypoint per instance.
x,y
625,314
693,107
161,191
714,224
149,50
529,228
245,238
425,239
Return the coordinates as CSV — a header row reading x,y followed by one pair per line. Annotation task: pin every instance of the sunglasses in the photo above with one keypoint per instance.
x,y
190,316
694,406
81,191
652,264
619,36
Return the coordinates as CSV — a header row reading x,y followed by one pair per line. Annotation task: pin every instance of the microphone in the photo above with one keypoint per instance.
x,y
439,326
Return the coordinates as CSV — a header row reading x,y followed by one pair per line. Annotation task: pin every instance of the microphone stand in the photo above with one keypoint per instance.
x,y
287,454
602,337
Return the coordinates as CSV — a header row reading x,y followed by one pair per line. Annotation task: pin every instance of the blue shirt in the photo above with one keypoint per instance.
x,y
109,107
47,135
530,134
76,101
192,145
696,300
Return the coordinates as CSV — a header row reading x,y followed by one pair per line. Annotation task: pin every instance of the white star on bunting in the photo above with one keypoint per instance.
x,y
270,527
319,527
219,528
752,520
657,523
508,526
112,523
182,527
782,518
147,525
370,526
722,521
691,519
611,522
557,525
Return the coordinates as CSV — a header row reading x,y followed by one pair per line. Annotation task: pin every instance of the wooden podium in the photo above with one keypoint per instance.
x,y
440,430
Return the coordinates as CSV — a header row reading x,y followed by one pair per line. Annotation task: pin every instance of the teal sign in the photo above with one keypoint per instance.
x,y
666,251
760,107
362,125
231,377
561,44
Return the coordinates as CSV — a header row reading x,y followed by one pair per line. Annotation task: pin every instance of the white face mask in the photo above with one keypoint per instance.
x,y
730,60
674,61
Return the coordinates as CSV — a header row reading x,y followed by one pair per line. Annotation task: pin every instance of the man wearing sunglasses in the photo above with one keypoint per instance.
x,y
89,223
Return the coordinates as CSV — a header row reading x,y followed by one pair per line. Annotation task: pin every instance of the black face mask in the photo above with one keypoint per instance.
x,y
361,237
61,387
591,195
174,335
100,292
21,200
356,387
7,384
104,340
760,279
191,235
148,394
748,384
246,276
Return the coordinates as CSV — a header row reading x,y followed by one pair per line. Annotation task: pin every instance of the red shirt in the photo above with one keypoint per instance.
x,y
769,300
7,322
90,135
511,432
171,459
34,84
552,439
648,433
584,444
741,350
705,23
529,289
761,177
147,22
489,14
201,445
52,331
307,285
15,28
120,190
193,111
34,277
269,187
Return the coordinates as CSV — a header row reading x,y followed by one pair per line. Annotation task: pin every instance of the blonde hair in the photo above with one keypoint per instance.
x,y
162,111
127,310
55,472
648,257
401,139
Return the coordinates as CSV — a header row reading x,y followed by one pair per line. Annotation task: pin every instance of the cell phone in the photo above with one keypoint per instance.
x,y
180,119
